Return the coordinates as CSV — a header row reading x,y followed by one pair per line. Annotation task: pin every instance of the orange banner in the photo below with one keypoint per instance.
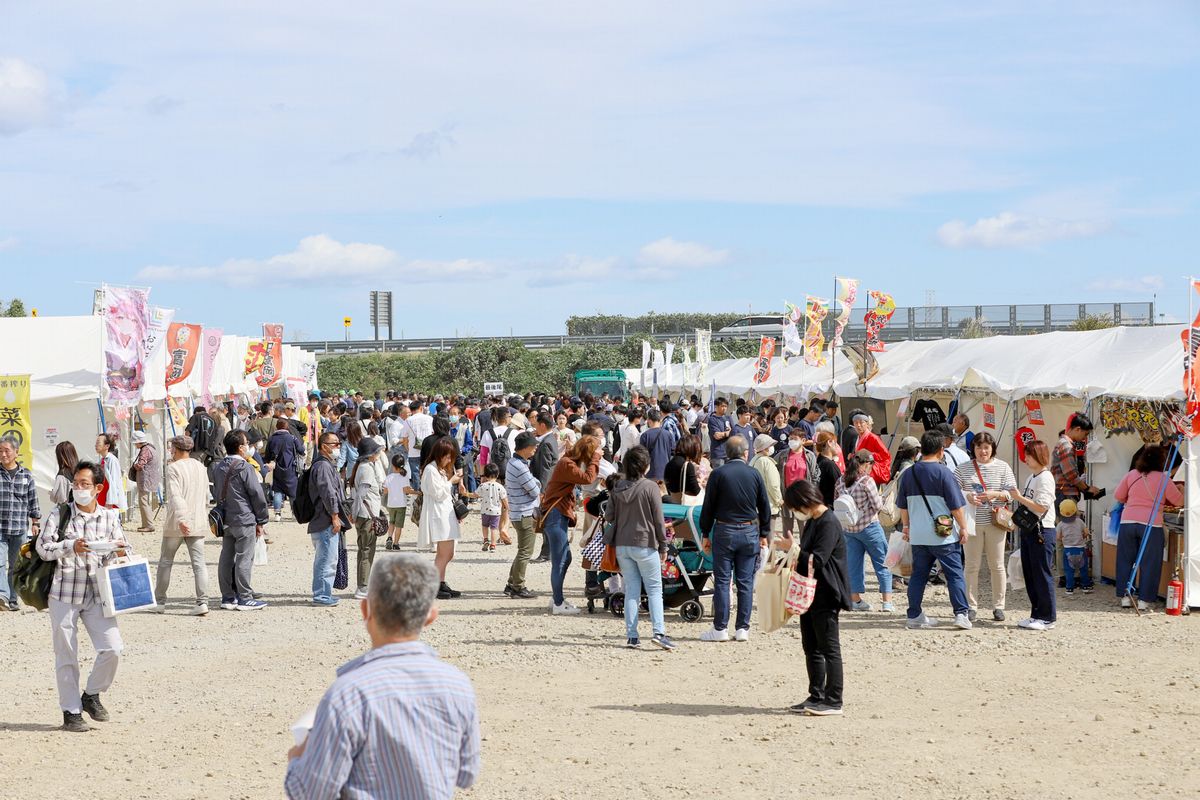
x,y
183,345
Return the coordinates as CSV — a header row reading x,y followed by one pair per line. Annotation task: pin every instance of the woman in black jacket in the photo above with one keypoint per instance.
x,y
822,539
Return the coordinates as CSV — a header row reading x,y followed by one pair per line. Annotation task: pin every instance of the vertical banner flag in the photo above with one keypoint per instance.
x,y
989,416
687,368
845,295
15,422
659,365
156,331
271,370
877,319
793,345
1034,407
815,311
645,362
255,355
308,372
212,344
762,366
703,352
670,346
178,418
125,323
1191,376
183,345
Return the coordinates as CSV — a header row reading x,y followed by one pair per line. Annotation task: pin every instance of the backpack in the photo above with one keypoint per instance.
x,y
500,451
889,514
845,509
304,508
216,515
203,435
32,576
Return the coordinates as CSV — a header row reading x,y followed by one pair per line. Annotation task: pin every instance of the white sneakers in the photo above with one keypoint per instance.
x,y
565,609
714,635
962,622
1126,602
923,622
278,517
1032,624
1144,607
199,611
741,635
361,593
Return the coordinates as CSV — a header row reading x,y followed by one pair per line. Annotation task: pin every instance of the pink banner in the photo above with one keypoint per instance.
x,y
126,319
212,345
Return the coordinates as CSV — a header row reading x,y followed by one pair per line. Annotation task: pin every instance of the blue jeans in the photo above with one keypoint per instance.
x,y
735,550
324,564
469,474
10,553
277,500
871,541
1129,539
950,556
641,566
560,552
1080,556
414,472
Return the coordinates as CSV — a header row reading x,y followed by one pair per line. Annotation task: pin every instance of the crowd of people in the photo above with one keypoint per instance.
x,y
808,481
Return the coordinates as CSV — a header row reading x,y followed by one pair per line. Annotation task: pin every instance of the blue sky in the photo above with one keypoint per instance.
x,y
501,167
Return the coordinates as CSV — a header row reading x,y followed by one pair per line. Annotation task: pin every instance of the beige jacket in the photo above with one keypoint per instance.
x,y
187,498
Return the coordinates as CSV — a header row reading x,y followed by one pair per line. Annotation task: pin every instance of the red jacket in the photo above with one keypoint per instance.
x,y
882,471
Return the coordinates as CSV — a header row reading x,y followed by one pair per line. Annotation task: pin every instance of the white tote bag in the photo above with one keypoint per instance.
x,y
125,586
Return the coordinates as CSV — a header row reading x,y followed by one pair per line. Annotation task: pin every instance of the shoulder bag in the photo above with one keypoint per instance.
x,y
539,522
1001,515
801,590
943,524
1025,518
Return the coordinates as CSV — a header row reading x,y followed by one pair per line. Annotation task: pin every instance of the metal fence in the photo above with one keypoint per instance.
x,y
918,323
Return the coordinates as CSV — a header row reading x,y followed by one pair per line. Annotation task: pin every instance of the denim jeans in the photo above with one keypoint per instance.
x,y
641,567
469,474
1080,556
1129,539
870,541
414,471
950,557
277,500
10,552
735,551
1037,565
324,564
560,552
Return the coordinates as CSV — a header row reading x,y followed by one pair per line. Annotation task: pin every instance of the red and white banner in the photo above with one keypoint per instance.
x,y
762,366
1034,407
989,416
1191,375
183,345
877,319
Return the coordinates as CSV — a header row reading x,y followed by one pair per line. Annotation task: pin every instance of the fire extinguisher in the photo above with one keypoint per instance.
x,y
1175,592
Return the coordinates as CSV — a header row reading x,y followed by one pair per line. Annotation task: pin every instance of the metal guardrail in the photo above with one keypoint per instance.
x,y
911,323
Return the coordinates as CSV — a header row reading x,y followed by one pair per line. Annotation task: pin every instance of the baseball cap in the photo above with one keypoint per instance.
x,y
909,442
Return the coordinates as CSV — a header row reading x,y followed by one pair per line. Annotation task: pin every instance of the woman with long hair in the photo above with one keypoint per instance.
x,y
579,467
439,525
682,475
67,458
348,455
826,448
865,536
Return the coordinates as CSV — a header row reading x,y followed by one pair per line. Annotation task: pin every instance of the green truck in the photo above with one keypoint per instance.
x,y
601,381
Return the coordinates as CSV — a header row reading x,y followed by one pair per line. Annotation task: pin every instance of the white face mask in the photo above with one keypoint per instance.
x,y
801,516
795,444
82,497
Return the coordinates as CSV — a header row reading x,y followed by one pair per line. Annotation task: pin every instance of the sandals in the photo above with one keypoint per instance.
x,y
485,547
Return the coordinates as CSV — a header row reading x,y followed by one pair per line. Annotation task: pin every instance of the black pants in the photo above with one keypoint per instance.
x,y
1037,566
822,655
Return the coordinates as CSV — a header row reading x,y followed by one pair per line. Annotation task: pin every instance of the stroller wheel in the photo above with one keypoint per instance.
x,y
616,604
691,611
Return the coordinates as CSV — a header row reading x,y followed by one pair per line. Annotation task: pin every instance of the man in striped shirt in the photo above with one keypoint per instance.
x,y
398,723
75,596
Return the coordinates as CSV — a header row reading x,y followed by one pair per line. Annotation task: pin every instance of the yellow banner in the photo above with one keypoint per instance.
x,y
15,421
177,415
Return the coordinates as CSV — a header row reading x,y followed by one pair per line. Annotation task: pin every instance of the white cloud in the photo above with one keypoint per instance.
x,y
1145,284
671,253
8,243
320,259
1009,229
28,97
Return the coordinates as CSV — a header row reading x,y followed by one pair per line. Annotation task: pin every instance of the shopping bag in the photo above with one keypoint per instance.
x,y
260,551
800,590
895,551
1114,522
593,551
1016,578
769,591
125,586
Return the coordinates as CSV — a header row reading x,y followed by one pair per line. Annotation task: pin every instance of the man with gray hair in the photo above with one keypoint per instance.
x,y
398,723
19,516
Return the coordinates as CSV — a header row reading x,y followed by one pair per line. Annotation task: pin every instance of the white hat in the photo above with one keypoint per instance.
x,y
139,437
763,442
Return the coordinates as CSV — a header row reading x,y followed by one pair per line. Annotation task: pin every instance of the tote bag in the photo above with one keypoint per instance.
x,y
125,586
770,590
801,590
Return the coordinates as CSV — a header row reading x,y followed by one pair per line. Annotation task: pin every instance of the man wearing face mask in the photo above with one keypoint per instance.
x,y
71,533
325,489
239,493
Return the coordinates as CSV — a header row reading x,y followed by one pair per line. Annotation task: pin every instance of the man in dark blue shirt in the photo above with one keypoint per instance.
x,y
719,429
656,439
737,511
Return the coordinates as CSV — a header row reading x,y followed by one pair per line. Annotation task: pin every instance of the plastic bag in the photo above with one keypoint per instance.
x,y
896,552
1114,520
260,551
1016,578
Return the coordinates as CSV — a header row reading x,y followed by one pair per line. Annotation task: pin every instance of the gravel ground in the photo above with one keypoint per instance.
x,y
1104,706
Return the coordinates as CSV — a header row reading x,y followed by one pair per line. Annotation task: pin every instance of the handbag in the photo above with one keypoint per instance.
x,y
125,586
33,575
1001,515
379,524
770,589
414,508
593,552
943,524
889,514
341,576
216,515
801,590
1025,519
608,563
460,510
682,498
539,522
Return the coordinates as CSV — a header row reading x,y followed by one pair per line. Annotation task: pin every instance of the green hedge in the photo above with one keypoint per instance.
x,y
465,368
611,324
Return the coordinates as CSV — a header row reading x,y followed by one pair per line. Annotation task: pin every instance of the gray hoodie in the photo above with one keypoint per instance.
x,y
636,515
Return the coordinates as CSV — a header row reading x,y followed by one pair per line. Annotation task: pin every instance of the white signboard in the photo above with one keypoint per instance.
x,y
51,437
493,389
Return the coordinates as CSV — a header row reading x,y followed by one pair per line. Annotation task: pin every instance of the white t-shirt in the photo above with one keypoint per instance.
x,y
421,426
396,429
491,496
395,483
501,431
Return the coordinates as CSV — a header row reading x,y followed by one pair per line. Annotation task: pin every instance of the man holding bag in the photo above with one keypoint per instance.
x,y
75,595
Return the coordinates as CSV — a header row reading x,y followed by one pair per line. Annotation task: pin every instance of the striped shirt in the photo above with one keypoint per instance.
x,y
997,477
524,491
75,579
18,501
866,497
398,723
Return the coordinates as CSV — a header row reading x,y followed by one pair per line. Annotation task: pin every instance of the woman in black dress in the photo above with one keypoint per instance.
x,y
822,540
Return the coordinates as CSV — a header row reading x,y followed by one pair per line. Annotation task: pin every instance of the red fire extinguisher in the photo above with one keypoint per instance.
x,y
1175,592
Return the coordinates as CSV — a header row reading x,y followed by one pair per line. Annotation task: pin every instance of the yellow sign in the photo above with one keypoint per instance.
x,y
15,422
177,415
33,313
346,321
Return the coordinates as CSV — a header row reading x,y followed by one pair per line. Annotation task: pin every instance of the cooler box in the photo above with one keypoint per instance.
x,y
125,586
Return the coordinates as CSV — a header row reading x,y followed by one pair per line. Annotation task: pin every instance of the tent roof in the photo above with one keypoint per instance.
x,y
65,355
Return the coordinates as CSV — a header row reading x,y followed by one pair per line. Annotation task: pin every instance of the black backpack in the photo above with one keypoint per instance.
x,y
304,508
202,435
500,452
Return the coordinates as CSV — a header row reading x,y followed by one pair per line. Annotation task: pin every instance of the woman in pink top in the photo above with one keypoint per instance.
x,y
1139,490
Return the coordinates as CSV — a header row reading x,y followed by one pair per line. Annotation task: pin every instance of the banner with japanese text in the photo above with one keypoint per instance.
x,y
877,319
126,319
989,416
1191,375
1034,407
271,370
183,346
212,345
156,331
703,352
815,312
15,422
762,366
